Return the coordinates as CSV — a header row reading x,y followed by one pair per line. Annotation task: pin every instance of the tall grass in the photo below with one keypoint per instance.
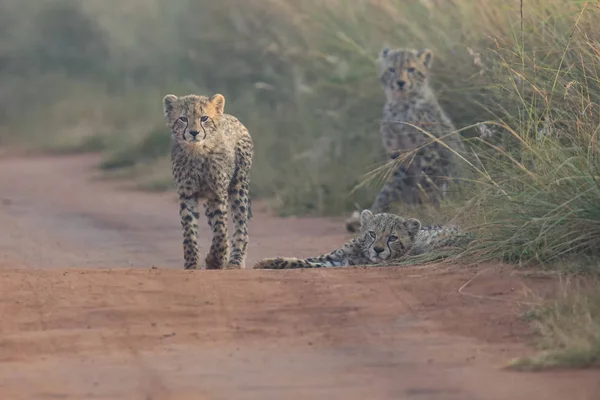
x,y
537,196
301,76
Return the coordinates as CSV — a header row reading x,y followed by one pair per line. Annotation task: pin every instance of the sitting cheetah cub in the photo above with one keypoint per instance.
x,y
211,159
384,238
404,76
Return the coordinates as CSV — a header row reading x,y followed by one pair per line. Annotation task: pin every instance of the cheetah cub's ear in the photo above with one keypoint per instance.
x,y
413,226
168,104
381,59
426,57
366,217
218,102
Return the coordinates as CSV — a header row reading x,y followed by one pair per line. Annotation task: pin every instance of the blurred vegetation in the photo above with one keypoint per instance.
x,y
300,75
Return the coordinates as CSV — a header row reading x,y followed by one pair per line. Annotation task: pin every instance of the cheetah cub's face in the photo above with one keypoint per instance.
x,y
404,72
387,236
193,120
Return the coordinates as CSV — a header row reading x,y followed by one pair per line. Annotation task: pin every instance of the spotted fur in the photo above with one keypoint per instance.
x,y
424,176
384,238
211,159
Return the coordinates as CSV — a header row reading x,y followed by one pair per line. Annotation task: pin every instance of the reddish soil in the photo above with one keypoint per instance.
x,y
95,304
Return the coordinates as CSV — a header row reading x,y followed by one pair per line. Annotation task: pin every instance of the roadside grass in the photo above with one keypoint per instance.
x,y
537,191
536,195
568,329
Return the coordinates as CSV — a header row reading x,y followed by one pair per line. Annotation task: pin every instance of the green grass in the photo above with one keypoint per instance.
x,y
536,195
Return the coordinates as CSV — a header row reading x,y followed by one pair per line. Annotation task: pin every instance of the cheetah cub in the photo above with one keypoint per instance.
x,y
384,238
404,76
211,159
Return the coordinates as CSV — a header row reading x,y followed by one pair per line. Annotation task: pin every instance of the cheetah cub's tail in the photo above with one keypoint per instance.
x,y
292,263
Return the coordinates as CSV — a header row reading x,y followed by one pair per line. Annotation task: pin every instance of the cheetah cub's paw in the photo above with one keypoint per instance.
x,y
234,266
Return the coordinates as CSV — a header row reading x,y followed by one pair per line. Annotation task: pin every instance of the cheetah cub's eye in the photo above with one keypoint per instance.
x,y
372,234
392,69
183,119
411,70
204,118
392,238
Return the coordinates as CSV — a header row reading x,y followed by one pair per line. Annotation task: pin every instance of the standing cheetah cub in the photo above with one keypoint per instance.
x,y
211,159
403,74
384,238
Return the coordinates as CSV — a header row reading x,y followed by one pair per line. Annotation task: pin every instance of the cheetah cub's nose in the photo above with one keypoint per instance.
x,y
378,250
194,134
400,84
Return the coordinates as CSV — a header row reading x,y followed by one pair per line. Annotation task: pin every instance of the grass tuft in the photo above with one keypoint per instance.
x,y
568,330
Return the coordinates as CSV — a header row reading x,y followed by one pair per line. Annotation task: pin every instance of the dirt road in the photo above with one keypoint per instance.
x,y
85,316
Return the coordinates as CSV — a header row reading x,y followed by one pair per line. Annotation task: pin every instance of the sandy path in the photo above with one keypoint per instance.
x,y
54,217
73,329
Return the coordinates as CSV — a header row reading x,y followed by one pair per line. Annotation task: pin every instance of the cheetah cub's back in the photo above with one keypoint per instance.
x,y
211,155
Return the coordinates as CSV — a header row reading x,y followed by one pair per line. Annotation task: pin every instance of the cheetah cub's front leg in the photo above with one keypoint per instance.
x,y
216,212
211,155
189,223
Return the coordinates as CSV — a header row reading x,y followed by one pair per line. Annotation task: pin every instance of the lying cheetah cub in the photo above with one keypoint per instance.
x,y
384,238
211,159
